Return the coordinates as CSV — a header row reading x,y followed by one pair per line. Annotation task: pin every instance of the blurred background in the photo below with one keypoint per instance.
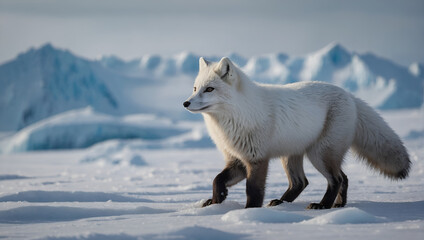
x,y
131,29
75,73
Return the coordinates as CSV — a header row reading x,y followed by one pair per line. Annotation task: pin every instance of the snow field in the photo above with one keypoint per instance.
x,y
96,193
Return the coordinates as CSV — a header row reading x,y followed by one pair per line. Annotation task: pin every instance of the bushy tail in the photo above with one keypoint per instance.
x,y
378,144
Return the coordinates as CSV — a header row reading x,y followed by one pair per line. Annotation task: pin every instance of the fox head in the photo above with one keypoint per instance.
x,y
214,86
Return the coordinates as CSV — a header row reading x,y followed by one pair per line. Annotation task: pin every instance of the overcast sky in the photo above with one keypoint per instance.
x,y
132,28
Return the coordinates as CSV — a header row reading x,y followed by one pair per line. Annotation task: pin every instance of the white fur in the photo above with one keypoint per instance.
x,y
255,122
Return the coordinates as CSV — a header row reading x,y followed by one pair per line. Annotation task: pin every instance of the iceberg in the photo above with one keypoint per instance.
x,y
82,128
43,82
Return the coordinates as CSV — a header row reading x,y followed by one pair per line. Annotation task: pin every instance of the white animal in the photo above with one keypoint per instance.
x,y
251,123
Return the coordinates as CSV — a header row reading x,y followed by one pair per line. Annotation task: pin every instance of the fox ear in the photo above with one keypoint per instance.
x,y
225,69
203,63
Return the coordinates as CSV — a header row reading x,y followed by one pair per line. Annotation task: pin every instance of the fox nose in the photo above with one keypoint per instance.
x,y
186,103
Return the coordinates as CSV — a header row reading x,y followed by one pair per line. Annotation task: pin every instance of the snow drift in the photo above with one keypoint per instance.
x,y
84,127
54,195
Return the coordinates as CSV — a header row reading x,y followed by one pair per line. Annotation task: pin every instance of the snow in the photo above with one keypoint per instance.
x,y
118,174
150,62
262,216
96,193
62,196
197,232
197,210
11,177
350,215
417,70
47,81
268,68
320,65
37,214
345,216
84,127
95,236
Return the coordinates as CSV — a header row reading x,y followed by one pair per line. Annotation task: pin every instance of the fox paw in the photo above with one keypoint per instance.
x,y
317,206
207,203
275,202
338,205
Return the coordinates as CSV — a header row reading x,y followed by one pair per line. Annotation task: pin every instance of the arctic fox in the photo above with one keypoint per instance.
x,y
251,123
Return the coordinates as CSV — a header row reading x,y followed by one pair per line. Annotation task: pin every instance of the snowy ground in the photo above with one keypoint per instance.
x,y
156,194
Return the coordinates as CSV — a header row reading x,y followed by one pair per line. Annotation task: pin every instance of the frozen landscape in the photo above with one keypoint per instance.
x,y
121,190
103,149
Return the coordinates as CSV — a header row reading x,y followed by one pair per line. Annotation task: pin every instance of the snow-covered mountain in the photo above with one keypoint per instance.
x,y
379,81
417,70
46,81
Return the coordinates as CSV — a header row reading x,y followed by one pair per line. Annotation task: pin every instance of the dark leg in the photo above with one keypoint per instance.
x,y
233,173
330,195
342,196
328,162
293,167
255,184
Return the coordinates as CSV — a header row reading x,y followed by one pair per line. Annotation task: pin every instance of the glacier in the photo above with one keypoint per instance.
x,y
46,81
42,87
82,128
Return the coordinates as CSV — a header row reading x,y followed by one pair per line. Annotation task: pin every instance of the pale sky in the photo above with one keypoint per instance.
x,y
132,28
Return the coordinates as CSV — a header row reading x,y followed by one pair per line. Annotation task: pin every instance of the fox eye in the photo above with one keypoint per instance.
x,y
194,89
209,89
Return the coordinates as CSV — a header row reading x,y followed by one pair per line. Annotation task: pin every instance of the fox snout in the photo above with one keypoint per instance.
x,y
186,104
